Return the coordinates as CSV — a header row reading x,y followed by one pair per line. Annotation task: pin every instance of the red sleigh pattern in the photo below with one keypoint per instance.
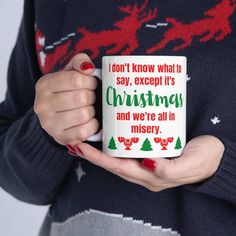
x,y
215,24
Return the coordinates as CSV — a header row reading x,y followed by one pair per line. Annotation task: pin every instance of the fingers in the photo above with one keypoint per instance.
x,y
167,173
64,100
66,81
127,169
74,99
76,117
76,75
72,127
81,63
174,170
122,167
80,133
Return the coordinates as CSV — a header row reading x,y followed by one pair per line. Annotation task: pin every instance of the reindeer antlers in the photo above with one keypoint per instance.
x,y
157,140
121,139
147,17
126,9
129,9
140,12
142,7
135,140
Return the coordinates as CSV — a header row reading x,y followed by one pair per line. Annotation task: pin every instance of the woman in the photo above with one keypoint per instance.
x,y
50,103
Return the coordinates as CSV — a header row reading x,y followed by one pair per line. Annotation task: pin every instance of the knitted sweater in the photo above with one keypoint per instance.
x,y
86,199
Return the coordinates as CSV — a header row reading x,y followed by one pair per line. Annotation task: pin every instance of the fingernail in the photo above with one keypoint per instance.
x,y
71,148
73,154
79,151
86,65
149,164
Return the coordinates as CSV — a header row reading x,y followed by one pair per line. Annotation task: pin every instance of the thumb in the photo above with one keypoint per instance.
x,y
81,63
168,169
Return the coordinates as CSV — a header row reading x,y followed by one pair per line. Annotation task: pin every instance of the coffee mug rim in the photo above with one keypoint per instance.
x,y
126,56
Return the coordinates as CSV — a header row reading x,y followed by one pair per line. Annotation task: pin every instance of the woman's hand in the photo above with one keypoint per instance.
x,y
200,160
64,102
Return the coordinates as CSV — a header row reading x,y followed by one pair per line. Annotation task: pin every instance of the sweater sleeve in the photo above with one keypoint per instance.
x,y
32,166
222,184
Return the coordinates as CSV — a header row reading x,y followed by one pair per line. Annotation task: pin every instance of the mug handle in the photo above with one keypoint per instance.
x,y
98,136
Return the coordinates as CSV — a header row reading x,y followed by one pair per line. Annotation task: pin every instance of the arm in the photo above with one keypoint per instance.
x,y
207,165
32,166
223,183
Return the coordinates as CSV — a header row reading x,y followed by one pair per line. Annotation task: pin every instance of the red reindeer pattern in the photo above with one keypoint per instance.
x,y
215,25
123,38
128,142
164,142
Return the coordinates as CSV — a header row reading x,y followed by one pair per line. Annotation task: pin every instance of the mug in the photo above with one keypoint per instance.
x,y
144,106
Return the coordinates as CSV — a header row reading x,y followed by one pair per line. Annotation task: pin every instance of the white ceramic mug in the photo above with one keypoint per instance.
x,y
144,106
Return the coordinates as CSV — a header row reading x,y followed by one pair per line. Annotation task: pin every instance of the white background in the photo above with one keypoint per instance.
x,y
16,218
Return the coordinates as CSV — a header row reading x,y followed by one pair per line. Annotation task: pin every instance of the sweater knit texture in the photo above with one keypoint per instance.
x,y
87,200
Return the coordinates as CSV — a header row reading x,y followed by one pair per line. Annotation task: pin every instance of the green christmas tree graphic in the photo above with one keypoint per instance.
x,y
146,145
112,144
178,144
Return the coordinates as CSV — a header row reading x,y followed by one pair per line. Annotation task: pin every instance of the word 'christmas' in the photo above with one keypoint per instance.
x,y
114,98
